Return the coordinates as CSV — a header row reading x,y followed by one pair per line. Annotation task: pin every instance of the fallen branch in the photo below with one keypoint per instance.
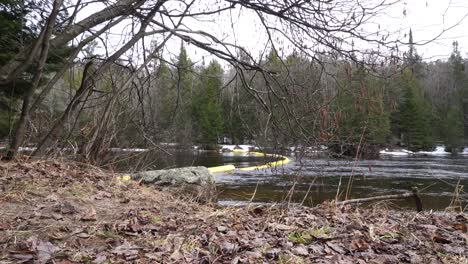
x,y
413,193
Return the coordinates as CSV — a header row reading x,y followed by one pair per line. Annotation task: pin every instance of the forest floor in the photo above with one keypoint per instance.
x,y
59,212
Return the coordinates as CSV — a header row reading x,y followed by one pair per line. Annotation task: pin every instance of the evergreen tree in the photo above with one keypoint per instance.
x,y
182,114
414,115
14,34
167,96
453,128
363,118
412,120
207,108
455,123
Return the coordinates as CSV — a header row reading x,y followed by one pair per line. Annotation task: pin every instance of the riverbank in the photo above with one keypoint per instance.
x,y
71,213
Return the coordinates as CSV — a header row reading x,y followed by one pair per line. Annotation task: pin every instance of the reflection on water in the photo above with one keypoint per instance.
x,y
154,160
318,179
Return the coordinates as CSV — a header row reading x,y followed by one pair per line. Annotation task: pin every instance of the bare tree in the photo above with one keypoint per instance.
x,y
314,28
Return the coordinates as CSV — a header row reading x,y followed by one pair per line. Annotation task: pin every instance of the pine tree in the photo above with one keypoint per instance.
x,y
207,108
412,120
183,85
455,123
413,112
363,118
167,96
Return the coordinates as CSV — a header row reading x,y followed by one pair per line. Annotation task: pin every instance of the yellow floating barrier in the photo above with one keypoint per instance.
x,y
224,168
257,153
284,160
239,151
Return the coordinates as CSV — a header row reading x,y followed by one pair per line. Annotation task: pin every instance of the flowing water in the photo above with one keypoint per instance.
x,y
314,180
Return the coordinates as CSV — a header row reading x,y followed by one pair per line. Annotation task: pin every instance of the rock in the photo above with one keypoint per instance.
x,y
178,176
198,182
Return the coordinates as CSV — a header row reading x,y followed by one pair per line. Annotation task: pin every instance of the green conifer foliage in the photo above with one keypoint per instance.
x,y
363,118
184,84
414,114
207,108
455,127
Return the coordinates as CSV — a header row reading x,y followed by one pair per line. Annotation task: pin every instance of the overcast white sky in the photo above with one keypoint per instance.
x,y
427,18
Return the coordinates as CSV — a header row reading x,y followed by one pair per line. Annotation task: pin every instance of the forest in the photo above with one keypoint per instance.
x,y
281,99
270,114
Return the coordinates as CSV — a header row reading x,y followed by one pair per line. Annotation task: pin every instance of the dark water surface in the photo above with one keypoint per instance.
x,y
319,178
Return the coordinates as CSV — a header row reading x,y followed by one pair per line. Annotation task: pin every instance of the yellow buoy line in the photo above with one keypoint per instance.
x,y
227,168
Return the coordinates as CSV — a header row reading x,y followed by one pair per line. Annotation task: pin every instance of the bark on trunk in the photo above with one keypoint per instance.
x,y
49,140
21,61
20,131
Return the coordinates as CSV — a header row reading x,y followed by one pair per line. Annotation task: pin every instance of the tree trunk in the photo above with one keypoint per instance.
x,y
57,129
20,131
21,61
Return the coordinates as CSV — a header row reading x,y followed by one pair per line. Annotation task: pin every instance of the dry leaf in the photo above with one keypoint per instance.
x,y
461,227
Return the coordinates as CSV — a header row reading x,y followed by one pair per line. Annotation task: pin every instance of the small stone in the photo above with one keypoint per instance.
x,y
221,229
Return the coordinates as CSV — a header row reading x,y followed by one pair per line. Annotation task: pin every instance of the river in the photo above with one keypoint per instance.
x,y
318,178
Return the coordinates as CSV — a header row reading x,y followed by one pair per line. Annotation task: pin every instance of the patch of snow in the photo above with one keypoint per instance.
x,y
439,151
243,147
27,148
316,149
400,152
169,144
128,150
464,152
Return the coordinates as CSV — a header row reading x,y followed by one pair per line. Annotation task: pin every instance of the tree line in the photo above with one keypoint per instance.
x,y
59,93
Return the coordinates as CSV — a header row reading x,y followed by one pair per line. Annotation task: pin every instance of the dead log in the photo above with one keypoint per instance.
x,y
413,193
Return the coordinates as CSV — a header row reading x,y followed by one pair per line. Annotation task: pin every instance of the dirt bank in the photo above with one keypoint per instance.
x,y
57,212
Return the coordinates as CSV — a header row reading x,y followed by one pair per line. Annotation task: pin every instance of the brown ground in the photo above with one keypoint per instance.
x,y
57,212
